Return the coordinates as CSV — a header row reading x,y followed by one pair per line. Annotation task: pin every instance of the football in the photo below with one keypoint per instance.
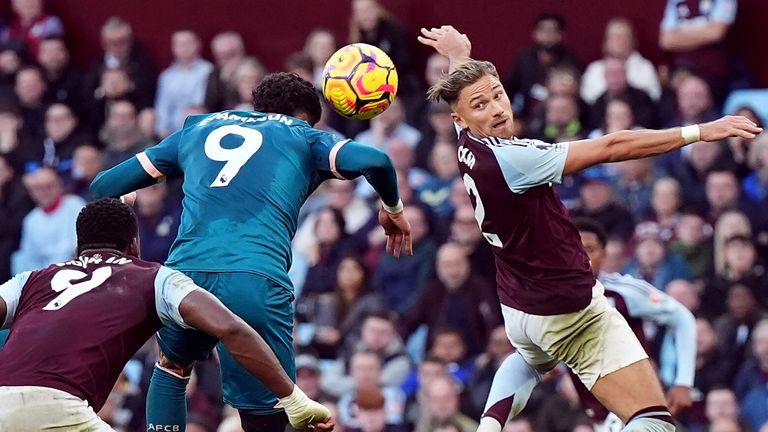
x,y
359,81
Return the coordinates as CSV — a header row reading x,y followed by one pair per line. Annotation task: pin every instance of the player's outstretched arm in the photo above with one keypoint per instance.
x,y
206,313
626,145
449,42
121,179
354,159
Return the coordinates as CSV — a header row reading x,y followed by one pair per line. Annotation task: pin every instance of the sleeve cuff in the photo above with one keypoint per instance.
x,y
397,208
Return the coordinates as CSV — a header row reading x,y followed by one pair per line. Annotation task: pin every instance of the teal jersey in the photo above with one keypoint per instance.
x,y
246,174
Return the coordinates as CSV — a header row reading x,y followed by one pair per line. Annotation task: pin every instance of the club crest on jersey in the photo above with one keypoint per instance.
x,y
466,157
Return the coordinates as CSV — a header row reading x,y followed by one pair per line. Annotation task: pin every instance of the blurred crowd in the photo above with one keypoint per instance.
x,y
413,344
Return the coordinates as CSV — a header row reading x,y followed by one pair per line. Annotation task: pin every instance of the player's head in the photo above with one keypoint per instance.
x,y
107,223
593,238
477,98
289,94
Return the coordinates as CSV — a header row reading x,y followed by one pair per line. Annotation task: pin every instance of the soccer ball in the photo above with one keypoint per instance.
x,y
359,81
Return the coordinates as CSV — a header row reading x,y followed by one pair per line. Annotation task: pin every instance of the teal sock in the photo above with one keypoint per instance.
x,y
166,402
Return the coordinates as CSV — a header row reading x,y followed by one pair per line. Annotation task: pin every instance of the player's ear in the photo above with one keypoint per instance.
x,y
459,121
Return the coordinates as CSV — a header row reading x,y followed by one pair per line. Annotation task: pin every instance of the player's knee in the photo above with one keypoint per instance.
x,y
653,419
171,366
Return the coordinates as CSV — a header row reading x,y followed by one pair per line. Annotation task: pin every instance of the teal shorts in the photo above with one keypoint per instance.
x,y
267,307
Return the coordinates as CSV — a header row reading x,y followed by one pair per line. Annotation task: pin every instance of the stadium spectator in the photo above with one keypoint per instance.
x,y
120,50
691,172
436,127
458,297
712,367
372,24
48,231
734,328
686,293
32,24
332,245
365,371
337,317
618,115
755,185
308,374
436,67
371,412
228,50
436,190
465,232
620,42
115,85
339,195
388,126
525,81
121,134
449,347
379,336
561,120
159,219
64,80
634,186
320,45
615,255
301,64
693,243
740,266
247,75
750,384
695,32
721,403
62,136
17,145
740,149
182,84
442,406
617,86
14,205
666,201
87,161
652,261
400,281
598,201
724,194
30,90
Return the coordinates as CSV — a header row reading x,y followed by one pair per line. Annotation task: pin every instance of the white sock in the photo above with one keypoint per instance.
x,y
512,386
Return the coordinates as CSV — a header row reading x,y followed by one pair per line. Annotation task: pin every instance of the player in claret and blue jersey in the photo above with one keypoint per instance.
x,y
246,174
75,324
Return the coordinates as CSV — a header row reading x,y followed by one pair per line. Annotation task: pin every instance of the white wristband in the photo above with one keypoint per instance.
x,y
691,134
397,208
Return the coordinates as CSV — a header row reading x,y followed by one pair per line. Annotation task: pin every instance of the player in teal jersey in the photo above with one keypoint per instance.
x,y
246,174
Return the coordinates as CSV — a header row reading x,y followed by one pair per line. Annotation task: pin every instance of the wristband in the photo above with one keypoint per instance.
x,y
691,134
397,208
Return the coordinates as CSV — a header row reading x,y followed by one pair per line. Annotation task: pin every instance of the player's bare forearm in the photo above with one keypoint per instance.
x,y
206,313
626,145
689,38
123,178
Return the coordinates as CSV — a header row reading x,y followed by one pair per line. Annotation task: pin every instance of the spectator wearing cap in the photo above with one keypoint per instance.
x,y
371,412
652,262
308,377
740,266
597,201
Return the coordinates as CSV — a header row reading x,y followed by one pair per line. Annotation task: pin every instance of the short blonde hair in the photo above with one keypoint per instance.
x,y
465,74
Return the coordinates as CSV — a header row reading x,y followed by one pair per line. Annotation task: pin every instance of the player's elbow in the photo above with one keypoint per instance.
x,y
231,329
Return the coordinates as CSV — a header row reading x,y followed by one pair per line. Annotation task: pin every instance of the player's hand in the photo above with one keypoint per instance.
x,y
398,232
304,413
129,199
447,41
679,399
728,126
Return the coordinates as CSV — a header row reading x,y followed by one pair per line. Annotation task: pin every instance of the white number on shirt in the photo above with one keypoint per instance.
x,y
469,183
236,157
62,282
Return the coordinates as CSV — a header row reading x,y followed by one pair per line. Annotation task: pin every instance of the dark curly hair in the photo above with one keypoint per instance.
x,y
289,94
106,223
592,226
